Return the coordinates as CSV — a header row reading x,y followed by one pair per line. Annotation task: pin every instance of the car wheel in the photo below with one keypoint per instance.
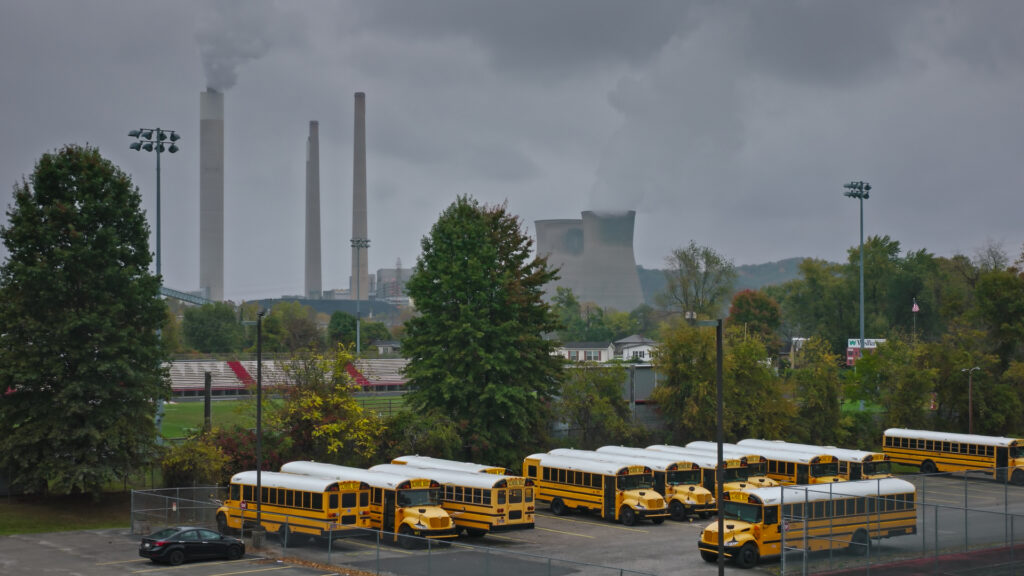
x,y
176,557
627,516
558,507
234,552
747,556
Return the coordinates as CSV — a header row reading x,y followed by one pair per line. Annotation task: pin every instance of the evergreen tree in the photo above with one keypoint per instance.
x,y
476,349
80,357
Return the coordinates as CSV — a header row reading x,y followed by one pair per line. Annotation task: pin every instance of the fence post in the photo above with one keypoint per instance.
x,y
965,512
378,552
330,541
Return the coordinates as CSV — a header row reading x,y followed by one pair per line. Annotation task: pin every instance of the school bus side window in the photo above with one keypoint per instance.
x,y
235,491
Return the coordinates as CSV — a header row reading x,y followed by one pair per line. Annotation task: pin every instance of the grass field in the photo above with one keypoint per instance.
x,y
180,418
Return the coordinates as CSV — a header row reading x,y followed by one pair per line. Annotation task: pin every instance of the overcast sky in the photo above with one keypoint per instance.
x,y
734,124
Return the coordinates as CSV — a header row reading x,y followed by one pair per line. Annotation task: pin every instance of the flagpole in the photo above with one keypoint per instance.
x,y
915,310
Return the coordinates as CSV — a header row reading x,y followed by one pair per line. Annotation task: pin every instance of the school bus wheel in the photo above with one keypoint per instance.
x,y
1017,478
658,520
928,467
747,556
627,516
222,523
708,556
558,507
677,510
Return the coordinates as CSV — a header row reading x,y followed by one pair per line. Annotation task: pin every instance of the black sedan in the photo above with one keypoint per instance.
x,y
181,543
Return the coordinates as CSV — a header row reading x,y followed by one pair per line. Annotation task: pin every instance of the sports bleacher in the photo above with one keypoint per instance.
x,y
377,375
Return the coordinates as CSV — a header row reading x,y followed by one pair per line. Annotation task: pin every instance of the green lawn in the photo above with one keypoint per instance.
x,y
182,417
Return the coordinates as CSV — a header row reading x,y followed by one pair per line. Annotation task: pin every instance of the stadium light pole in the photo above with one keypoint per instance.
x,y
359,244
860,190
970,397
720,437
153,139
259,413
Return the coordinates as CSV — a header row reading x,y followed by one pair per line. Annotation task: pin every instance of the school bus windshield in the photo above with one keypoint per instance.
x,y
418,497
880,467
633,482
1016,451
741,511
736,474
682,477
829,469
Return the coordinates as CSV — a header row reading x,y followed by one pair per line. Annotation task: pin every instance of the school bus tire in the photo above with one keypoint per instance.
x,y
658,520
558,507
1018,478
677,510
748,556
928,467
405,537
860,543
627,516
708,556
287,536
222,524
475,532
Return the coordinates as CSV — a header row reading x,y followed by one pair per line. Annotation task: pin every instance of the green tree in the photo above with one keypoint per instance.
x,y
1000,308
699,280
342,329
290,328
819,391
899,377
592,404
320,413
758,314
80,358
196,461
687,392
212,327
476,349
430,433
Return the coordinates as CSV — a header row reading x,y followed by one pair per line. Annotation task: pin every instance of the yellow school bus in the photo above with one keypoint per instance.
x,y
788,467
442,464
405,505
997,456
742,469
295,505
617,492
851,464
761,522
478,502
678,480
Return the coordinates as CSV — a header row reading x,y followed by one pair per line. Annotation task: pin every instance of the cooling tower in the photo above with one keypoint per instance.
x,y
595,257
211,194
314,284
359,287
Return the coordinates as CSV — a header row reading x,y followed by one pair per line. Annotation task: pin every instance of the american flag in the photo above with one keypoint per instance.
x,y
916,308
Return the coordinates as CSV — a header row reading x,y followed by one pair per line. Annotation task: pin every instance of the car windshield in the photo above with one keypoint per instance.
x,y
165,533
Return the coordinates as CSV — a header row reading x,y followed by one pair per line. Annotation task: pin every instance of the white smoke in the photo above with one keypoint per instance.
x,y
235,32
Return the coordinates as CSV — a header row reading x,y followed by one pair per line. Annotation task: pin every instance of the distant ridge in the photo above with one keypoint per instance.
x,y
749,277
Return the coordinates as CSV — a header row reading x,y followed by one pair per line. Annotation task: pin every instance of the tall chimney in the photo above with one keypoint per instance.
x,y
211,194
314,286
359,282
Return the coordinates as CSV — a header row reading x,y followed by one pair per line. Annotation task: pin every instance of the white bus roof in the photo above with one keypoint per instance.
x,y
954,437
654,461
728,450
280,480
845,454
770,453
699,458
373,478
442,464
456,477
594,466
775,495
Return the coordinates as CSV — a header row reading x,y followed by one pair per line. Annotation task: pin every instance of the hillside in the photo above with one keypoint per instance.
x,y
751,276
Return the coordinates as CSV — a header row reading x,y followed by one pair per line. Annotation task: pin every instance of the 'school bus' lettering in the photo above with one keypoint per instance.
x,y
403,505
293,504
478,502
999,457
607,488
760,522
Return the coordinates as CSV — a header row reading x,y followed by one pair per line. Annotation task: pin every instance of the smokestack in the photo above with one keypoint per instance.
x,y
211,194
359,282
314,286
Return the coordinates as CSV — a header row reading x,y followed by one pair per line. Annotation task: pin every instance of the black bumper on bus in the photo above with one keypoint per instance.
x,y
511,527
